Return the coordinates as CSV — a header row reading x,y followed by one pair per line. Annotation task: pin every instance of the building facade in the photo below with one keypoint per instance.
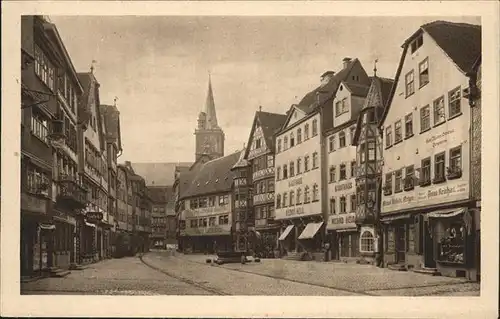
x,y
369,151
427,206
341,163
260,154
124,229
206,207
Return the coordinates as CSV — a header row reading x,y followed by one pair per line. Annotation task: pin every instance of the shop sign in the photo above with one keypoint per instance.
x,y
33,204
94,216
342,221
343,187
433,194
295,182
294,211
313,208
206,211
207,231
64,217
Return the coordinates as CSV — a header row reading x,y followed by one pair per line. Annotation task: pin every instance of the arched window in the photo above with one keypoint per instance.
x,y
367,241
299,136
292,169
278,201
315,192
299,194
292,198
315,127
292,140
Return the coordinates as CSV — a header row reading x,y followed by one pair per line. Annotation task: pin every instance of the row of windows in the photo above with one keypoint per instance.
x,y
265,186
44,69
94,161
342,172
37,182
210,201
341,107
262,162
423,77
264,212
210,221
159,220
340,206
159,209
438,117
69,132
39,127
295,198
332,140
453,171
67,90
289,170
297,141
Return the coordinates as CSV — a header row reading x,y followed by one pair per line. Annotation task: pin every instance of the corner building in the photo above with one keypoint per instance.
x,y
431,218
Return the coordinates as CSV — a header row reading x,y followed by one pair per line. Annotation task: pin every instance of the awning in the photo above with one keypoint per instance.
x,y
286,232
446,213
310,230
387,219
47,226
89,224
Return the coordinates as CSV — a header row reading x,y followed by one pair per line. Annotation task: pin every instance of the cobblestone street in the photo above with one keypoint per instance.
x,y
166,273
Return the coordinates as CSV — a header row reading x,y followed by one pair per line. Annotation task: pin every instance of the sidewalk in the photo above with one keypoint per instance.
x,y
352,277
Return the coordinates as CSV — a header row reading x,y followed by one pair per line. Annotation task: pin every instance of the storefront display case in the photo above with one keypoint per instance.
x,y
453,246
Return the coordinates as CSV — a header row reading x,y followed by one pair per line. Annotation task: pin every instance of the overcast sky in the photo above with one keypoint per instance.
x,y
158,68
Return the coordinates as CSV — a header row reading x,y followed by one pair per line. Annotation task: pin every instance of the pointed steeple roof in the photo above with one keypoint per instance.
x,y
211,118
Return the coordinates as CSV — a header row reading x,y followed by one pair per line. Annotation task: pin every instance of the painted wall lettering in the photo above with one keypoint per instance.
x,y
295,182
342,187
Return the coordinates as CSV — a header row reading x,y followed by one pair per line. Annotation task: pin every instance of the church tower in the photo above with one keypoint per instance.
x,y
209,136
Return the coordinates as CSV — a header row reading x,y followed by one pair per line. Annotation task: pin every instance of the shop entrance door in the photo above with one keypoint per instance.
x,y
429,260
400,244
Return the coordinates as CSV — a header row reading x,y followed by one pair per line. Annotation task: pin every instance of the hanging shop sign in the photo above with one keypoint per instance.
x,y
433,194
342,221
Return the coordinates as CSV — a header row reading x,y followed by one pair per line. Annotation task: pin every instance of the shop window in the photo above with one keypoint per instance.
x,y
452,246
397,181
292,140
332,206
367,242
409,182
332,174
423,72
298,165
454,103
388,136
425,118
342,172
292,169
439,113
278,201
398,134
409,83
343,205
454,170
315,127
439,161
409,125
299,196
315,160
292,198
341,139
306,131
299,136
306,163
315,192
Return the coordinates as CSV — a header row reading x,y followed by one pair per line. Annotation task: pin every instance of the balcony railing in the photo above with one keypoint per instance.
x,y
263,173
72,192
263,198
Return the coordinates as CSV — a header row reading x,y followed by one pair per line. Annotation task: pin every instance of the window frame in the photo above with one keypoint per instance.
x,y
388,136
439,166
454,95
342,137
398,132
437,106
398,181
425,117
410,83
421,71
408,123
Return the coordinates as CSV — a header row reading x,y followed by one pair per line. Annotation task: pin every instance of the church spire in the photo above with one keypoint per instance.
x,y
211,116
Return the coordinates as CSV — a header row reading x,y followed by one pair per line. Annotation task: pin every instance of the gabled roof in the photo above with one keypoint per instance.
x,y
270,123
158,174
212,177
111,117
91,88
461,42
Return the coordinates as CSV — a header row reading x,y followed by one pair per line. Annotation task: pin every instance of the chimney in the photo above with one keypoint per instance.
x,y
326,77
346,61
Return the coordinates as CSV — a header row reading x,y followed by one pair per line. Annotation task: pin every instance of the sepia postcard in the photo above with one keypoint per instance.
x,y
299,159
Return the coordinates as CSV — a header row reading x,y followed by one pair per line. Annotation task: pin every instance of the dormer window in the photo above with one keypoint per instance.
x,y
257,143
417,43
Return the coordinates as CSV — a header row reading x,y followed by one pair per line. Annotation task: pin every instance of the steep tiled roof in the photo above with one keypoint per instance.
x,y
212,177
309,101
270,123
460,41
241,162
356,88
158,174
161,194
111,117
